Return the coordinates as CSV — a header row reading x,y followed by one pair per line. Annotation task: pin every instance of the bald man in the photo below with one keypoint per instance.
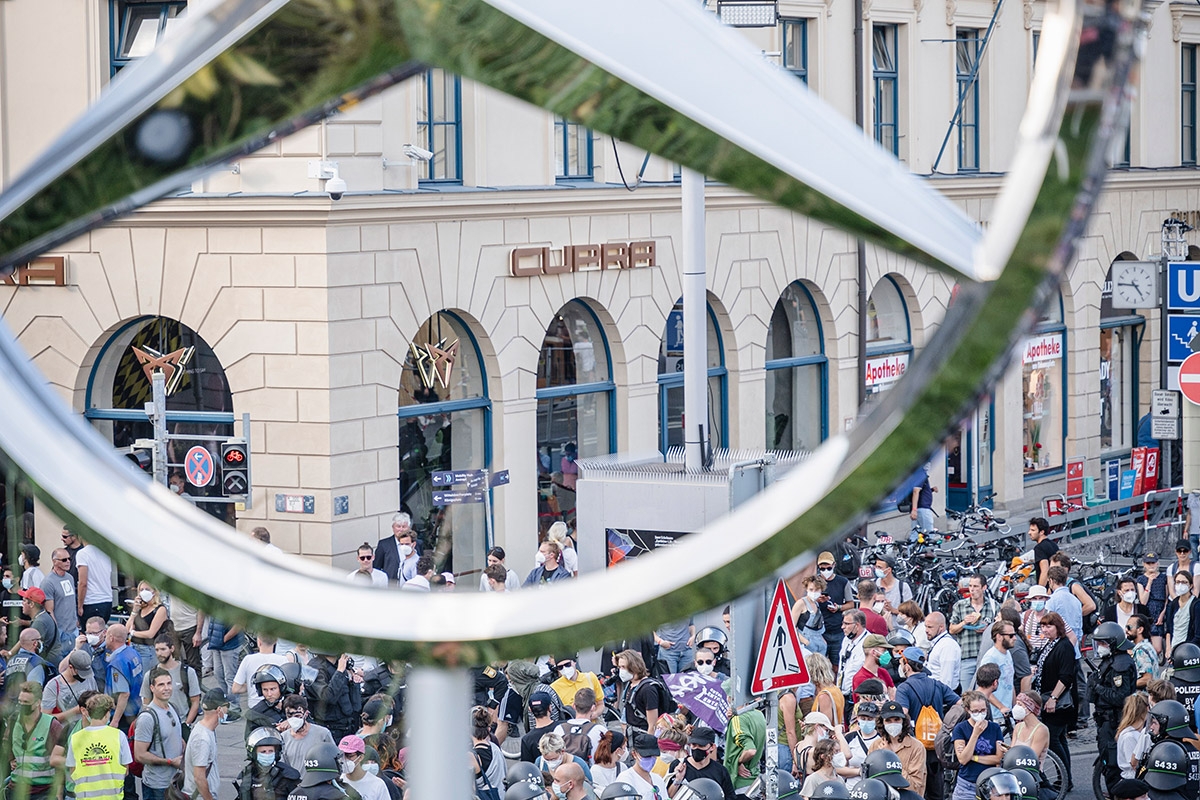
x,y
569,779
945,655
26,661
122,677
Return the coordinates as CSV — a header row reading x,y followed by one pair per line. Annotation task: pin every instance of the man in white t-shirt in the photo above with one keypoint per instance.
x,y
95,593
366,572
354,751
243,680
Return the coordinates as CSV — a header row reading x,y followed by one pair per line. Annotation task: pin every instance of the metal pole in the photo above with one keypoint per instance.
x,y
159,418
771,780
438,698
695,320
249,503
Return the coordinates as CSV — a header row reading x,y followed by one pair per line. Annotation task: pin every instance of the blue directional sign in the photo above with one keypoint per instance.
x,y
452,477
500,478
1112,472
1183,286
454,498
1182,329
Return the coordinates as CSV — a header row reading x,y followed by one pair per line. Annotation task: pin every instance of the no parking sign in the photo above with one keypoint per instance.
x,y
198,466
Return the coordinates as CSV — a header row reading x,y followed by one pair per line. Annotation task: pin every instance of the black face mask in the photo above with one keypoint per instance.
x,y
699,754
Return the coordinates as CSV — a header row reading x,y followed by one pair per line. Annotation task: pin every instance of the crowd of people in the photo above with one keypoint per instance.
x,y
899,704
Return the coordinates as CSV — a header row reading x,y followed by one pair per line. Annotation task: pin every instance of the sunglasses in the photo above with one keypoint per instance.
x,y
296,713
705,661
362,558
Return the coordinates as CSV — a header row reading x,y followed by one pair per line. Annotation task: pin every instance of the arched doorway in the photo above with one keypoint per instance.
x,y
797,382
670,381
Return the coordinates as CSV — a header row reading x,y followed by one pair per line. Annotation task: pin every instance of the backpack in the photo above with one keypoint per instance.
x,y
846,560
1090,621
576,740
928,723
943,743
136,767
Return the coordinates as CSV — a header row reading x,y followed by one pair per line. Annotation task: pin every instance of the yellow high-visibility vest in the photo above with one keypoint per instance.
x,y
98,772
32,754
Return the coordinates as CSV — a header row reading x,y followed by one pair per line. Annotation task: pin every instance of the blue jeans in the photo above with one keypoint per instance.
x,y
785,758
966,672
678,658
150,793
925,519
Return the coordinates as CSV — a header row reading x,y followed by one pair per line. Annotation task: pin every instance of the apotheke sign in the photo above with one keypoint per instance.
x,y
882,372
525,262
1043,349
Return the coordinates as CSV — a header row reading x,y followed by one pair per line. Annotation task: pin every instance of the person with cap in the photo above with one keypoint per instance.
x,y
745,744
1184,563
570,783
648,784
318,781
571,679
894,590
875,648
98,754
897,737
511,580
368,786
816,727
158,737
945,655
606,760
921,691
967,620
821,768
299,733
1130,789
376,719
265,776
701,762
33,602
543,723
898,641
267,712
864,732
1153,593
978,744
1031,619
1114,679
201,771
884,765
835,600
60,698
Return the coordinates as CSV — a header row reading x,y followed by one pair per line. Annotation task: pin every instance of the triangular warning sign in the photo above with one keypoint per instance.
x,y
780,663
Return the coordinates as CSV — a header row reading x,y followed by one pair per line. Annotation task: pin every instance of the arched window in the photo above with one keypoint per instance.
x,y
796,367
575,407
1043,383
199,402
445,424
889,336
670,382
1118,369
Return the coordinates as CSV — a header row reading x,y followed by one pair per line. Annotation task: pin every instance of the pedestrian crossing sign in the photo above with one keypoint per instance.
x,y
780,662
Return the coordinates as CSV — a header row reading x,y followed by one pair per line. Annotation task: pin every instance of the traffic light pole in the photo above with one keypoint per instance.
x,y
158,415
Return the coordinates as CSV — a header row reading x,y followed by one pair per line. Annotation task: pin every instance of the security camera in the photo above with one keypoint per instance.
x,y
417,153
336,188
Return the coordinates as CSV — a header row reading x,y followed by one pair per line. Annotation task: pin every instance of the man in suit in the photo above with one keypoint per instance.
x,y
396,555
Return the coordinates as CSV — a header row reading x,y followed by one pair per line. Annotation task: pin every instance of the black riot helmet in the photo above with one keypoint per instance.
x,y
1172,719
1022,757
884,765
1185,662
871,789
616,790
1112,634
263,736
321,765
524,772
1167,766
996,781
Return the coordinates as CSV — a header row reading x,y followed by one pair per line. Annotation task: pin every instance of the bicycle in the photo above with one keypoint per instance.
x,y
1054,774
1099,782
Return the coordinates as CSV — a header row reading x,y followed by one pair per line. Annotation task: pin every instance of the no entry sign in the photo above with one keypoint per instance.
x,y
1189,378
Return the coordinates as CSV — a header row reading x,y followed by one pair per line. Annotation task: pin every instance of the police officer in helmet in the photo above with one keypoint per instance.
x,y
266,776
885,766
268,681
1172,767
872,789
1185,676
1113,681
321,770
997,783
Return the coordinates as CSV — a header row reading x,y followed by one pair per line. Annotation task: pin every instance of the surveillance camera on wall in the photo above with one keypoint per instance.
x,y
336,188
417,153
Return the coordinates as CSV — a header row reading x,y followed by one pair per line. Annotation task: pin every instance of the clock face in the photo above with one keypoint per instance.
x,y
1134,285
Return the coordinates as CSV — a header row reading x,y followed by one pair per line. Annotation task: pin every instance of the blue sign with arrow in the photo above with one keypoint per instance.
x,y
453,477
454,498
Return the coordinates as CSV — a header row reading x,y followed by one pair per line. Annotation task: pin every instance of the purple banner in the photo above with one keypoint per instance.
x,y
702,695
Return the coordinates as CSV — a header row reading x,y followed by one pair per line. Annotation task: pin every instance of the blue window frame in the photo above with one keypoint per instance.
x,y
889,336
670,382
966,74
572,150
1187,110
886,77
795,47
439,125
136,26
797,397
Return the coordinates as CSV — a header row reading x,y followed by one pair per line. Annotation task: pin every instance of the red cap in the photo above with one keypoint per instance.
x,y
35,594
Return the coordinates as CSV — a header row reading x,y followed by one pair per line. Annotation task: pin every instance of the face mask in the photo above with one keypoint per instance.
x,y
979,717
146,595
839,761
893,728
1038,605
822,734
625,675
704,669
1103,650
552,763
347,767
371,768
265,759
387,724
1019,712
295,723
1129,597
647,763
93,639
826,574
885,659
176,488
699,754
558,790
879,573
813,596
568,673
8,583
21,560
540,558
867,726
1182,588
406,550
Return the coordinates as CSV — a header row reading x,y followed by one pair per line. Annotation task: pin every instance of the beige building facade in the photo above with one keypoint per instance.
x,y
509,304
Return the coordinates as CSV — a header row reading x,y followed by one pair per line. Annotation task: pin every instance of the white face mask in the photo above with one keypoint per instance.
x,y
1019,712
568,673
146,595
295,723
387,724
822,734
176,488
371,768
93,639
1182,588
1103,650
347,767
704,669
879,573
625,675
839,761
552,764
1129,597
813,596
826,574
8,583
540,558
978,717
405,550
893,728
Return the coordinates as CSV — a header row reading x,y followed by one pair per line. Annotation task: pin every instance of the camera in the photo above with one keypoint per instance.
x,y
417,153
336,188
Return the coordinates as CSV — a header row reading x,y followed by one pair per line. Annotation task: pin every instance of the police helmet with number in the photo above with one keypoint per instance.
x,y
524,772
524,790
1022,757
321,764
711,634
871,789
1028,783
829,790
1112,634
268,673
1172,719
1185,662
1167,766
260,737
884,765
615,790
996,782
790,787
